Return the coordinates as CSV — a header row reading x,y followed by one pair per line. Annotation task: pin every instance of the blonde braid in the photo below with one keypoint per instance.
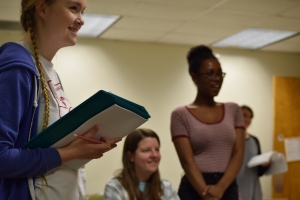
x,y
42,75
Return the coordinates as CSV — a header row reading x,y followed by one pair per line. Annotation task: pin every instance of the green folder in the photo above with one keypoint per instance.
x,y
80,114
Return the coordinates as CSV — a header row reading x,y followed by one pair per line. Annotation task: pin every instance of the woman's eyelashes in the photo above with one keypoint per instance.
x,y
75,9
149,150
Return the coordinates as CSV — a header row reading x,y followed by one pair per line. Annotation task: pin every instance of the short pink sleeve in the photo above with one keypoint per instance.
x,y
238,118
178,125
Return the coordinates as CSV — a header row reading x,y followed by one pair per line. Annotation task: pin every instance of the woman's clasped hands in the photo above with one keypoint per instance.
x,y
83,149
212,192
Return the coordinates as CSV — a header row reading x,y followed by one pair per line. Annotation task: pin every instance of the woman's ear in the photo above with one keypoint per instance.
x,y
41,9
194,77
130,156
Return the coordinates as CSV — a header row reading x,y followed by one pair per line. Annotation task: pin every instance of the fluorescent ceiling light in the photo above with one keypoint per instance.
x,y
254,38
95,24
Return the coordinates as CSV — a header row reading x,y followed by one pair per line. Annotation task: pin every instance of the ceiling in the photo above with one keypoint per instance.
x,y
188,22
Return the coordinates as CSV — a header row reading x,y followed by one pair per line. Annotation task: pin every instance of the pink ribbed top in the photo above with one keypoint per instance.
x,y
212,144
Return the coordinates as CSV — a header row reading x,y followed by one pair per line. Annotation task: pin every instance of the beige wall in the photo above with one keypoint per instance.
x,y
155,75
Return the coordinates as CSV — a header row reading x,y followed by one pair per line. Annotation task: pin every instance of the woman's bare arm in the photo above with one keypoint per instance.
x,y
185,154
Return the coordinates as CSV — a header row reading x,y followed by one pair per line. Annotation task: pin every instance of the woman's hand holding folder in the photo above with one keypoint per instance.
x,y
85,149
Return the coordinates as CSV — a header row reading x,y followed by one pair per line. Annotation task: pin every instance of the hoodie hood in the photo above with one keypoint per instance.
x,y
15,55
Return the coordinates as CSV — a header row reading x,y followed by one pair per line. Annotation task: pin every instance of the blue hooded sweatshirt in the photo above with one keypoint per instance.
x,y
18,91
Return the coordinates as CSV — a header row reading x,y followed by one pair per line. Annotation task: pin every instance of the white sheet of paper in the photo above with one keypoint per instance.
x,y
292,149
278,162
260,159
113,122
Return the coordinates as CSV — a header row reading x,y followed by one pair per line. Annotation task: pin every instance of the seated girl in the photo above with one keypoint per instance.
x,y
139,179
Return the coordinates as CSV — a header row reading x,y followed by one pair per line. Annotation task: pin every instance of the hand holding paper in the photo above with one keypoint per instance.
x,y
278,163
87,148
115,116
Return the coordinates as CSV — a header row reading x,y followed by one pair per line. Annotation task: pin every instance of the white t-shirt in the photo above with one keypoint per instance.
x,y
62,182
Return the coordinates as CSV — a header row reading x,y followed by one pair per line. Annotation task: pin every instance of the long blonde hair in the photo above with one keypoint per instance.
x,y
28,21
127,176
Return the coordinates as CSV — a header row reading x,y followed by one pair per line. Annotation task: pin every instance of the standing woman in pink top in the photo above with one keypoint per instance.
x,y
208,135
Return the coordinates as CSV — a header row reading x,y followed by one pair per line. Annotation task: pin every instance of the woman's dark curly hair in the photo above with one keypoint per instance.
x,y
197,55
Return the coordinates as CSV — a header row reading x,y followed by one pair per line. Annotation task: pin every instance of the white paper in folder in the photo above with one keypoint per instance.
x,y
278,162
113,122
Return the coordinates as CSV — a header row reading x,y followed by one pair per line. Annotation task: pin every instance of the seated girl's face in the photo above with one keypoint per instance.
x,y
147,156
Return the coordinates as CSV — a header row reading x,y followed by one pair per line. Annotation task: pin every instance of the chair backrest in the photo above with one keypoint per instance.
x,y
96,197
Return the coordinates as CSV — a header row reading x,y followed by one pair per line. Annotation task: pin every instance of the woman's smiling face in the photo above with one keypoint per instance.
x,y
62,20
146,158
209,77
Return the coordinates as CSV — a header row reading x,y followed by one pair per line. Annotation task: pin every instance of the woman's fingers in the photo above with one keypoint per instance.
x,y
92,131
99,156
111,141
90,150
108,144
215,191
111,147
95,129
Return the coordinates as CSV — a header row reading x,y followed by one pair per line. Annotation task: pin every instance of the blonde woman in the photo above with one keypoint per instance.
x,y
30,101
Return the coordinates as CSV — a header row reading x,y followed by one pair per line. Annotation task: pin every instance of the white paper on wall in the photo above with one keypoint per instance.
x,y
292,149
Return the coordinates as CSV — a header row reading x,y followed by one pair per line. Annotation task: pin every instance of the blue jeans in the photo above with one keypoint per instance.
x,y
187,192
